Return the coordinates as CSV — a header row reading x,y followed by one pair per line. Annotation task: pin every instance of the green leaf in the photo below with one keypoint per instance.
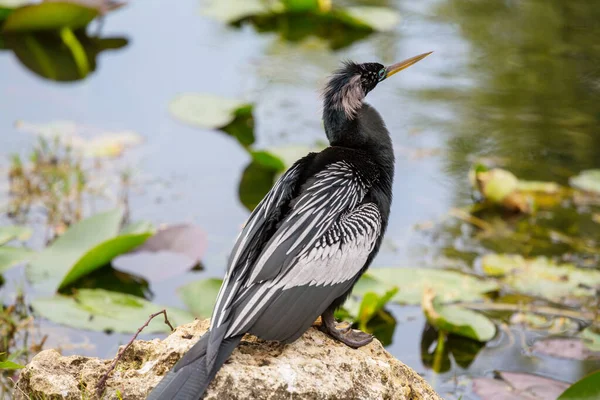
x,y
49,16
230,11
588,181
102,310
53,263
255,183
457,320
411,282
268,160
542,277
371,304
138,227
101,255
381,19
204,110
587,388
11,232
10,365
536,186
289,154
11,256
200,296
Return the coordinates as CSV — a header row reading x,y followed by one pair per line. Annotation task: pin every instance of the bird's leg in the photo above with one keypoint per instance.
x,y
350,337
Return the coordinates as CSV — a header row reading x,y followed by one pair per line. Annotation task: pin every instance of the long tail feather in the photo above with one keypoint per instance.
x,y
190,379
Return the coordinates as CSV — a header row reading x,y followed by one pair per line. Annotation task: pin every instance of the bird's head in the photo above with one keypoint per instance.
x,y
349,85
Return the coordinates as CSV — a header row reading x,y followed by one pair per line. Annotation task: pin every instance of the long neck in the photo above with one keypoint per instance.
x,y
342,100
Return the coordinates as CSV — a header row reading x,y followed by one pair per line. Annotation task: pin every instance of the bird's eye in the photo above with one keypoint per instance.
x,y
381,74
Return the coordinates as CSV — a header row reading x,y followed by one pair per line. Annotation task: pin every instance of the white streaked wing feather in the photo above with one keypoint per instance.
x,y
338,256
258,216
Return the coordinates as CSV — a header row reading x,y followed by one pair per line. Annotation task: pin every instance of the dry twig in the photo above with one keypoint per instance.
x,y
102,383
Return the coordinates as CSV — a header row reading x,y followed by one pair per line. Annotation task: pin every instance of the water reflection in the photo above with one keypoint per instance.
x,y
55,57
534,93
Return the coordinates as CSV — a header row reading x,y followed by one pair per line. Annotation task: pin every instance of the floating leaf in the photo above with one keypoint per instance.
x,y
587,388
541,277
289,154
110,145
457,320
570,348
229,11
411,282
138,227
102,254
49,16
200,296
8,233
537,186
517,386
204,110
256,181
12,256
169,252
380,19
101,310
84,247
63,56
268,160
436,355
10,365
588,181
372,304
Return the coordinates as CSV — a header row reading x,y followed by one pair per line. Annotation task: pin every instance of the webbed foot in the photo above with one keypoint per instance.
x,y
343,332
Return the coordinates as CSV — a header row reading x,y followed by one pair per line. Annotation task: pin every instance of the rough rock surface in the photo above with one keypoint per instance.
x,y
313,367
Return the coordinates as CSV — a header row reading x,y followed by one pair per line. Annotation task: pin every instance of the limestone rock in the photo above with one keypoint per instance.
x,y
313,367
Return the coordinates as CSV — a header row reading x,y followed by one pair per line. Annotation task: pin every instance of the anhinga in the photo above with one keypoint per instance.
x,y
309,240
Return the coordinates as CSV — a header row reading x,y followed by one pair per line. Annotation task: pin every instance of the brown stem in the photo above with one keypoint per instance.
x,y
102,383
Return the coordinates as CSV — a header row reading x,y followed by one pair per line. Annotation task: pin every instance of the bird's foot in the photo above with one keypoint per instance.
x,y
344,333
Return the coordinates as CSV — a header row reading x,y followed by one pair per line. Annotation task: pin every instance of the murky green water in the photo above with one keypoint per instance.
x,y
514,82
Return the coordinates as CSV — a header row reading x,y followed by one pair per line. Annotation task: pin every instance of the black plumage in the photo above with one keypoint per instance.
x,y
309,240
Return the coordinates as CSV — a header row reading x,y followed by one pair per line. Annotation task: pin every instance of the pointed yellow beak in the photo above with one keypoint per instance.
x,y
392,69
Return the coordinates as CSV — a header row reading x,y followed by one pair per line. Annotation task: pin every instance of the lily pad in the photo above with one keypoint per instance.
x,y
200,296
517,386
83,248
12,232
381,19
372,304
102,254
49,16
542,277
205,110
63,56
538,186
587,388
257,179
568,348
101,310
449,286
230,11
588,181
457,320
169,252
12,256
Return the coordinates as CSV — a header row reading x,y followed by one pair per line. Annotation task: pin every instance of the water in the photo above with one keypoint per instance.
x,y
514,81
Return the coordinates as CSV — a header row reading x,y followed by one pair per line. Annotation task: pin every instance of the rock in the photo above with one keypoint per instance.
x,y
313,367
